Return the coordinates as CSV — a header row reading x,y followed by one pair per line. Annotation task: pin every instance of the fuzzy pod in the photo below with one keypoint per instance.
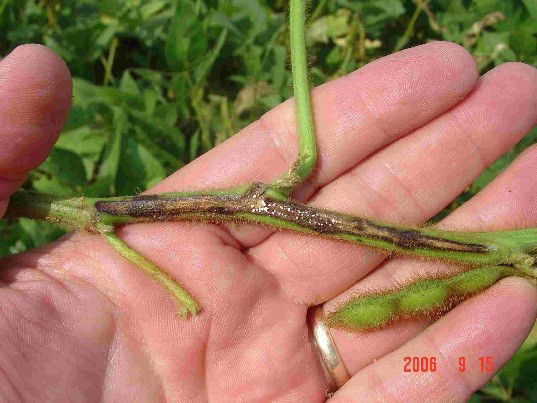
x,y
426,298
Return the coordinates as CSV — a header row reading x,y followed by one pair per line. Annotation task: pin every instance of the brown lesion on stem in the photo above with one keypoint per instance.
x,y
255,201
330,222
157,208
412,238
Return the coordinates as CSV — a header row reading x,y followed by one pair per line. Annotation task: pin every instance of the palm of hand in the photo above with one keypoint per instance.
x,y
77,316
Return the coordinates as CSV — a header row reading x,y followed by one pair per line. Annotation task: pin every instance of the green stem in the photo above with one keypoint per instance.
x,y
307,154
187,304
74,213
409,31
259,203
80,213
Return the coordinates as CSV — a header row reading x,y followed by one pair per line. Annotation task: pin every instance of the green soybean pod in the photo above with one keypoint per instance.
x,y
423,298
477,280
368,311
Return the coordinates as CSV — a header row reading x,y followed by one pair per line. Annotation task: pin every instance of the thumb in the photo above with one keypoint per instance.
x,y
35,97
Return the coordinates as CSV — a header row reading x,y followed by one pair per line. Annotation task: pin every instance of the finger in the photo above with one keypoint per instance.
x,y
354,115
508,202
35,96
493,324
407,182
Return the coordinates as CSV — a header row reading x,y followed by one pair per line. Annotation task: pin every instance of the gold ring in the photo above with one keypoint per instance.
x,y
329,356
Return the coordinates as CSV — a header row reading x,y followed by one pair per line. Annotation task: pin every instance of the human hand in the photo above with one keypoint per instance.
x,y
398,140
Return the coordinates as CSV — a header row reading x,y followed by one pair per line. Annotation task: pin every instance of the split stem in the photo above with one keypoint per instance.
x,y
258,203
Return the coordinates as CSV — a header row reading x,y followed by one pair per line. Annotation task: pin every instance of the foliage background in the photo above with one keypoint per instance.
x,y
156,83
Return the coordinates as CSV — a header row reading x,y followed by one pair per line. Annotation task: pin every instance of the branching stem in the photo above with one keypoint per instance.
x,y
260,204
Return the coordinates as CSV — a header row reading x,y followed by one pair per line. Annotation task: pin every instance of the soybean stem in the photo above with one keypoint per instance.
x,y
187,304
259,203
307,154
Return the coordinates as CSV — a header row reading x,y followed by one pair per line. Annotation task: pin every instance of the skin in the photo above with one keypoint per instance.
x,y
397,140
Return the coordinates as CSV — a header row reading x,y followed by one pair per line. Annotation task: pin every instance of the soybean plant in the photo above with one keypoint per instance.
x,y
485,257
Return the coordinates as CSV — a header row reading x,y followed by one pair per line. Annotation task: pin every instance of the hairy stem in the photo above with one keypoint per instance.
x,y
187,304
259,203
499,253
80,213
307,154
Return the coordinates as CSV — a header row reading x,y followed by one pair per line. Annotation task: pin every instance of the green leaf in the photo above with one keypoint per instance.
x,y
38,233
494,391
64,165
531,6
391,8
62,174
329,27
84,141
153,7
150,100
334,57
138,169
106,36
165,156
255,13
128,85
187,39
523,41
79,116
278,72
160,129
194,145
86,93
527,379
112,151
475,398
51,185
